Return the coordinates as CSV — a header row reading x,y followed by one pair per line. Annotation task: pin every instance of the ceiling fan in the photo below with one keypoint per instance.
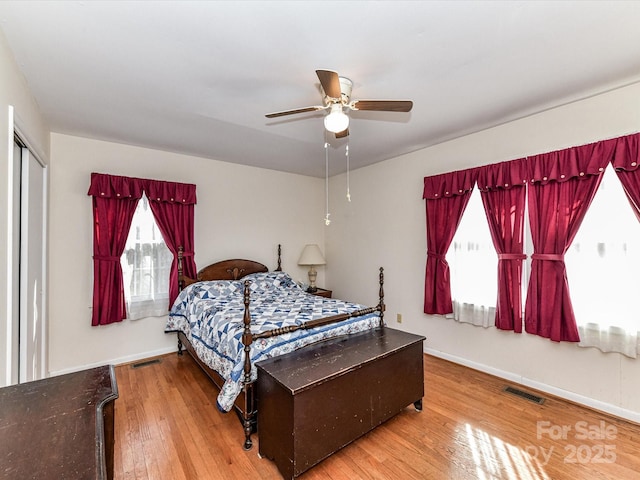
x,y
337,99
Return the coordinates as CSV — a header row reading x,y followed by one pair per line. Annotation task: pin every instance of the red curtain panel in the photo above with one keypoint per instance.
x,y
114,203
561,187
446,197
172,205
503,192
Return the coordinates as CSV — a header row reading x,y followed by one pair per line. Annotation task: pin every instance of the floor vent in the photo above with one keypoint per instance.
x,y
145,364
526,395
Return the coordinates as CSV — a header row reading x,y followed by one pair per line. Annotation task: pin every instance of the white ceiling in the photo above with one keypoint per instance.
x,y
198,77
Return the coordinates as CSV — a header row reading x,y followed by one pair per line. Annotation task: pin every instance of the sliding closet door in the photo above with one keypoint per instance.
x,y
32,269
14,327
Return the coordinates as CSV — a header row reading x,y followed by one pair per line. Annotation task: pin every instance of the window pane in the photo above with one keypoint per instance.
x,y
601,264
146,264
473,263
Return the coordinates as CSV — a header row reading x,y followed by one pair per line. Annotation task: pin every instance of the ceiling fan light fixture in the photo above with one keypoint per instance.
x,y
337,121
336,97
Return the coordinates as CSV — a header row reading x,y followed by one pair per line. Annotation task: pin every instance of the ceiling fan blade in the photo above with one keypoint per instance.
x,y
297,110
330,82
342,134
383,105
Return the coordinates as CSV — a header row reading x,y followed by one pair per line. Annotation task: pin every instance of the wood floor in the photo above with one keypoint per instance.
x,y
167,427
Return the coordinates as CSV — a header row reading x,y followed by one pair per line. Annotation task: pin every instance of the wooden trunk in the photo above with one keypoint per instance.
x,y
316,400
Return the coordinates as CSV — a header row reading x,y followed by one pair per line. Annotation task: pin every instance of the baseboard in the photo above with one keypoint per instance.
x,y
116,361
591,403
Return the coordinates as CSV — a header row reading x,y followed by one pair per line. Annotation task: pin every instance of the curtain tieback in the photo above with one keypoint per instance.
x,y
548,256
439,256
187,254
106,258
511,256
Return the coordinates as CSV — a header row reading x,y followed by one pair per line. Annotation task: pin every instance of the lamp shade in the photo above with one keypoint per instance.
x,y
311,255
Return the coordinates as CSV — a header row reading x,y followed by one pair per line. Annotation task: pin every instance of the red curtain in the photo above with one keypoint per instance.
x,y
502,187
446,197
562,186
114,203
172,205
626,162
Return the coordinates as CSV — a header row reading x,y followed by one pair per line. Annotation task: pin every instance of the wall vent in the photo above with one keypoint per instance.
x,y
145,364
526,395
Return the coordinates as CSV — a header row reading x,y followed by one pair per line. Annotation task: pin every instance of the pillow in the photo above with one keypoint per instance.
x,y
218,288
269,281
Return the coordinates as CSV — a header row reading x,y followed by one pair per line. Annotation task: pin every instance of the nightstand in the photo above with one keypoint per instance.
x,y
321,292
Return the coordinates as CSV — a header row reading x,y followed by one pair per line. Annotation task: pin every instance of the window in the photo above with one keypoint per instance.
x,y
473,264
600,266
114,201
146,263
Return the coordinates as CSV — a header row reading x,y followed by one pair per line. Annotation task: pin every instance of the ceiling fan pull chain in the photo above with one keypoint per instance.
x,y
347,154
327,222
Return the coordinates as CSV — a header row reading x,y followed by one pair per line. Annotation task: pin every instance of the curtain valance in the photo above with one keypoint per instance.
x,y
449,184
560,166
575,162
114,186
170,192
627,154
503,175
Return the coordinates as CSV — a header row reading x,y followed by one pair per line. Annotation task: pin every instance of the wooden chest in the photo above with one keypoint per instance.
x,y
316,400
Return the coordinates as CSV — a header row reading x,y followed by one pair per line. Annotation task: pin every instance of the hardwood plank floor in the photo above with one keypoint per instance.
x,y
168,427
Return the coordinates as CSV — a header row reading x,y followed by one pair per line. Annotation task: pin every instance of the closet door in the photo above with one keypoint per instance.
x,y
32,270
15,270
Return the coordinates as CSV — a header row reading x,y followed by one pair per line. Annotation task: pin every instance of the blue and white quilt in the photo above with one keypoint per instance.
x,y
211,313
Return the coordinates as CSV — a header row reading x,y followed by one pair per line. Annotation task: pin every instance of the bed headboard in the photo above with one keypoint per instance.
x,y
232,269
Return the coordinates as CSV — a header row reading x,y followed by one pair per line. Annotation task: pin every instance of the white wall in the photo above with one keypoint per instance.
x,y
13,92
384,225
242,212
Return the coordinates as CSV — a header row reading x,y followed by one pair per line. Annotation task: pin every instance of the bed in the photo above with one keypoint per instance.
x,y
236,312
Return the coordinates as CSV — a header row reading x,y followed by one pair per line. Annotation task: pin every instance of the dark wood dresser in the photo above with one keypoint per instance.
x,y
316,400
60,427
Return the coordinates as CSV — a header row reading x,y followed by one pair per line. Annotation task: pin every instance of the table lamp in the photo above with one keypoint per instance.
x,y
312,256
